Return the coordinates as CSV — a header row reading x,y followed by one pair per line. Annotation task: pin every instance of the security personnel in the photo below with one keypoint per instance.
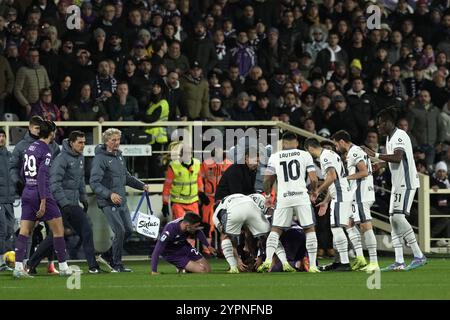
x,y
157,111
212,170
183,185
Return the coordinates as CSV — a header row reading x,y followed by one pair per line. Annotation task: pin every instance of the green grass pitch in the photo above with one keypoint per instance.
x,y
429,282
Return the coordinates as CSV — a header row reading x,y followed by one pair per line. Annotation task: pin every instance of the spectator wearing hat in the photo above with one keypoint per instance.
x,y
356,69
30,79
440,227
386,98
33,16
196,92
156,25
417,83
218,113
277,82
318,41
144,81
49,59
175,97
408,66
214,83
174,60
343,119
87,14
242,110
12,55
327,58
272,54
201,49
98,46
6,84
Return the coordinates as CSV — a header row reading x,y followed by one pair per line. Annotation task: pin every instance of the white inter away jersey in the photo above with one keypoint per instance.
x,y
362,189
340,189
403,174
291,167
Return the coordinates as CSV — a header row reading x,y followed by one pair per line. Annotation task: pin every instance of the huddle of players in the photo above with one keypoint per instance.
x,y
349,197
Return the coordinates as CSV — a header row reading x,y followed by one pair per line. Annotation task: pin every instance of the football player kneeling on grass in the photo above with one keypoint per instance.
x,y
175,249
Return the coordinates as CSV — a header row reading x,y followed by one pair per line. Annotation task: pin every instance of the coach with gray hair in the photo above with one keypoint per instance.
x,y
109,176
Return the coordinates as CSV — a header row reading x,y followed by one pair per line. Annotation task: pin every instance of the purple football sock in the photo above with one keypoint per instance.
x,y
21,247
60,248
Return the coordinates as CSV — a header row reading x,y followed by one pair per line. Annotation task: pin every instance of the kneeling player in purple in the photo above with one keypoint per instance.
x,y
175,249
38,202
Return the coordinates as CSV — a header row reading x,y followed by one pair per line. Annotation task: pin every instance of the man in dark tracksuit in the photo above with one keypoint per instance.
x,y
7,191
68,187
109,176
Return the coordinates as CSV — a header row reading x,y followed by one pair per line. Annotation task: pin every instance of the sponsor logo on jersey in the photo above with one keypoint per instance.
x,y
292,194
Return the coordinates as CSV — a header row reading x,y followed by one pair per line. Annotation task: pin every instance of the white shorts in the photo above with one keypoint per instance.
x,y
340,213
401,201
361,211
246,213
282,217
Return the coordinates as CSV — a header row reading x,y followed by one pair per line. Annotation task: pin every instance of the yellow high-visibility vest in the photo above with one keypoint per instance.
x,y
184,185
159,134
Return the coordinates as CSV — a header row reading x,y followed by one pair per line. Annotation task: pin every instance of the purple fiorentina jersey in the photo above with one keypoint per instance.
x,y
36,167
35,171
173,246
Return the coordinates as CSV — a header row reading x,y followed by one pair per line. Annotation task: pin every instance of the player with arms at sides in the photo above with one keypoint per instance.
x,y
38,202
405,181
290,167
360,177
175,249
231,215
338,193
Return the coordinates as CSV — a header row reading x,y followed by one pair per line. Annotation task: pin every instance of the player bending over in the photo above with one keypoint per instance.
x,y
175,249
404,182
38,202
231,214
360,177
290,168
338,193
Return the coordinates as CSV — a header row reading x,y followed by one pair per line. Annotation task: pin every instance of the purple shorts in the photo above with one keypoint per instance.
x,y
181,257
31,205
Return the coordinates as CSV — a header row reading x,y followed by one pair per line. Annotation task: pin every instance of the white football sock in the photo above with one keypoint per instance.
x,y
355,238
410,238
63,266
271,245
341,243
281,254
311,246
371,244
227,249
19,266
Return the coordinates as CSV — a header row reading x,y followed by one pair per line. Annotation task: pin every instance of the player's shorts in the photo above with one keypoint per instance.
x,y
401,201
282,217
246,213
340,213
361,211
30,206
181,257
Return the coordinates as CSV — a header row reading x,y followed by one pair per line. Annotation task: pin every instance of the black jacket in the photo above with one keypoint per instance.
x,y
237,179
345,121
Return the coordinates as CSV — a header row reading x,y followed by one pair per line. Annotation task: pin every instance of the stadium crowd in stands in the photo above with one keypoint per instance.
x,y
320,67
